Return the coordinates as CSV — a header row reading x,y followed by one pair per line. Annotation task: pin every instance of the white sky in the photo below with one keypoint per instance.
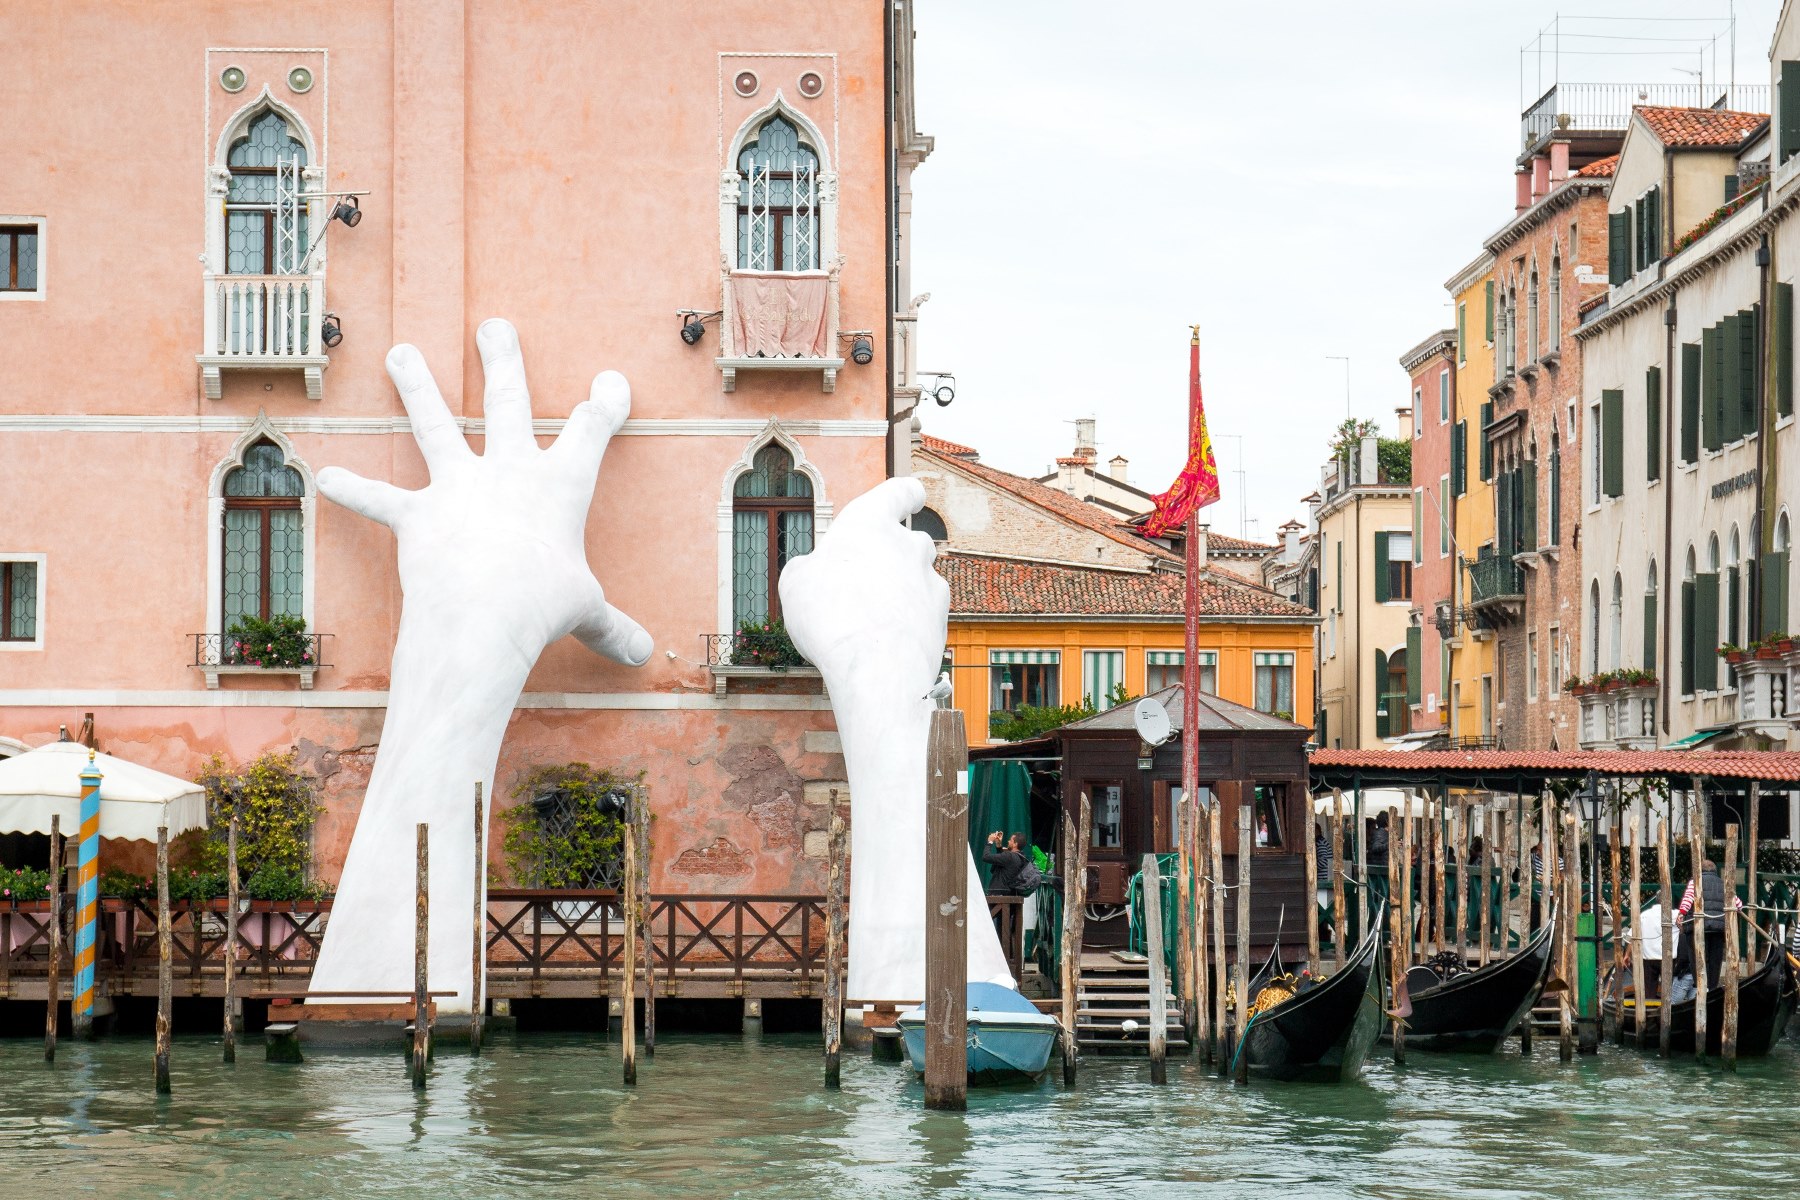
x,y
1299,178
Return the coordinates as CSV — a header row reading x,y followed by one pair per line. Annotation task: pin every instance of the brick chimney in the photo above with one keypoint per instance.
x,y
1084,437
1403,417
1200,532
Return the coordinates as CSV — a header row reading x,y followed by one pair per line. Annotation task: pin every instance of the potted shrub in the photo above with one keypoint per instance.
x,y
1783,642
1633,677
1766,648
1733,654
26,887
765,644
279,642
1575,686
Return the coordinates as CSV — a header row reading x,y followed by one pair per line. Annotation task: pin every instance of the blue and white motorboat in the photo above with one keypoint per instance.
x,y
1009,1039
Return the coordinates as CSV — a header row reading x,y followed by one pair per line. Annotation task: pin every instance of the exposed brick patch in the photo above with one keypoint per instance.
x,y
719,858
776,819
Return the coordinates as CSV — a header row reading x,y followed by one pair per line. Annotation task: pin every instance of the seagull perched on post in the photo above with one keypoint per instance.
x,y
940,691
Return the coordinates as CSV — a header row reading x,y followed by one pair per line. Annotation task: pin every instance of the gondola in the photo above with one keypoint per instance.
x,y
1323,1031
1765,1004
1475,1010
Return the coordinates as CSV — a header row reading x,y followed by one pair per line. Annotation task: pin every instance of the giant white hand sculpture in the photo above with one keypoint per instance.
x,y
866,608
493,569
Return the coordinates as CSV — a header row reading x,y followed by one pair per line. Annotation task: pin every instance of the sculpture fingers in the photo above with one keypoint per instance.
x,y
583,441
434,429
373,499
611,634
506,403
891,501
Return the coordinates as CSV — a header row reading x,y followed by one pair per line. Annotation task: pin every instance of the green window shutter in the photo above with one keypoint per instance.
x,y
1381,671
1649,658
1555,496
1459,459
1653,423
1528,539
1381,567
1618,247
1653,225
1690,402
1612,442
1712,393
1706,632
1415,649
1731,381
1687,636
1338,594
1788,105
1462,333
1503,512
1418,538
1731,188
1772,577
1749,406
1734,604
1640,256
1488,318
1783,333
1487,451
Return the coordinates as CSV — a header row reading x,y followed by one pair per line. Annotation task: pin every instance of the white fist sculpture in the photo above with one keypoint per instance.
x,y
493,569
868,610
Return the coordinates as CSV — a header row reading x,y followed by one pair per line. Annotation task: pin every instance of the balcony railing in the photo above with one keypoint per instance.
x,y
754,656
1495,578
775,321
1595,107
219,654
263,322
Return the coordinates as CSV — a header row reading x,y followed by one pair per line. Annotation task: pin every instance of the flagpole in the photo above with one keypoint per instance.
x,y
1190,658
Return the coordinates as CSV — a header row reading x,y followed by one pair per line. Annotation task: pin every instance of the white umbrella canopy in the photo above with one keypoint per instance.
x,y
134,800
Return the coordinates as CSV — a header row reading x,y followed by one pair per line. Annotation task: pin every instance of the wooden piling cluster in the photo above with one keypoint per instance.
x,y
628,963
640,830
1728,1033
1153,950
479,953
1075,842
1398,935
421,1047
1242,1015
53,984
231,931
164,951
1696,927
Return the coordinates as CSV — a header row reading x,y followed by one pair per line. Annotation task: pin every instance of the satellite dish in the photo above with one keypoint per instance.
x,y
1152,721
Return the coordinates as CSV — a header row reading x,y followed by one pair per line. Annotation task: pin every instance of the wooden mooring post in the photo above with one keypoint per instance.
x,y
1220,895
1153,950
53,981
1729,1032
641,830
1614,956
1666,972
1338,924
164,965
948,910
1074,865
1202,1015
1457,869
1243,942
833,1015
1568,884
1312,895
478,956
1752,932
628,961
231,932
1399,935
1493,841
1633,911
1184,915
1696,926
421,1047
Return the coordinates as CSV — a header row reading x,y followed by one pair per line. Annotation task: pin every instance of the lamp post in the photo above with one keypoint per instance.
x,y
1589,1027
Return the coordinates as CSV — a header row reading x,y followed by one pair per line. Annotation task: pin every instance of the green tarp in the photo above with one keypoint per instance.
x,y
999,798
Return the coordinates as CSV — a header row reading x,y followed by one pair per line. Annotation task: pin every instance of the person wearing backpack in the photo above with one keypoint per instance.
x,y
1008,862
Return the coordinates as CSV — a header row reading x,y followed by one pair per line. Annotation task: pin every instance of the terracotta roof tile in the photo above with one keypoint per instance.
x,y
1231,545
1601,167
938,445
1696,127
1059,503
1725,764
987,586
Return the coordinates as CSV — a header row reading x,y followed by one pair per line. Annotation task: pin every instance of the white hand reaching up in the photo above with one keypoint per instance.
x,y
493,569
868,610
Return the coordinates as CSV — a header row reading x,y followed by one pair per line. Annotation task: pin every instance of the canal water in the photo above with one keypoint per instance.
x,y
545,1116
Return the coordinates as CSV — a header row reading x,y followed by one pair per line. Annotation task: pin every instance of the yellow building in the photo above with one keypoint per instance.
x,y
1054,601
1472,687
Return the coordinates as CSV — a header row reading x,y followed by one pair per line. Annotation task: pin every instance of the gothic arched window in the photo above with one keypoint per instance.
x,y
265,221
778,201
264,557
771,522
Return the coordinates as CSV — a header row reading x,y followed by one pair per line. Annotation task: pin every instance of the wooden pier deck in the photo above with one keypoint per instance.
x,y
540,944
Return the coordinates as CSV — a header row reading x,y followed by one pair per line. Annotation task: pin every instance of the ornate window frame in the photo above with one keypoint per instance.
x,y
822,506
260,430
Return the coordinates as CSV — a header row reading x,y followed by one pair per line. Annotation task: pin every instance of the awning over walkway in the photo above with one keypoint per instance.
x,y
1515,770
134,800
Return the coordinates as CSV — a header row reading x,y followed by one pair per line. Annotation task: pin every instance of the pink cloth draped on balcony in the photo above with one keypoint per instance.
x,y
778,315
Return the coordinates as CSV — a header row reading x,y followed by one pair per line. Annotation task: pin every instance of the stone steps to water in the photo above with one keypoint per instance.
x,y
1111,992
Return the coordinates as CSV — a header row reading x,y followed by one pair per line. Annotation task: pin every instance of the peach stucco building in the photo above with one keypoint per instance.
x,y
198,337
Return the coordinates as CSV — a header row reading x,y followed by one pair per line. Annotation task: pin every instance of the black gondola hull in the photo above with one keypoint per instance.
x,y
1765,1005
1322,1035
1475,1012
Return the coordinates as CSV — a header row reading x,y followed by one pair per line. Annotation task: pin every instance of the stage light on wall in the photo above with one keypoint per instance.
x,y
942,389
348,211
331,331
862,351
693,324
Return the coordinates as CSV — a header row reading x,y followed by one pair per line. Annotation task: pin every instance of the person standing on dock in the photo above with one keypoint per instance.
x,y
1008,861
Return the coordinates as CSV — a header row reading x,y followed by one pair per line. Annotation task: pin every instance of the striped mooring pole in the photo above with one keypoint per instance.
x,y
87,902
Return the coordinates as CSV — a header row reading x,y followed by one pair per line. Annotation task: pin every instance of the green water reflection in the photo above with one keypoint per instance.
x,y
715,1117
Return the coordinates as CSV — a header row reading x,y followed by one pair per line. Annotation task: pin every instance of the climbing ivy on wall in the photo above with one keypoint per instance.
x,y
564,832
